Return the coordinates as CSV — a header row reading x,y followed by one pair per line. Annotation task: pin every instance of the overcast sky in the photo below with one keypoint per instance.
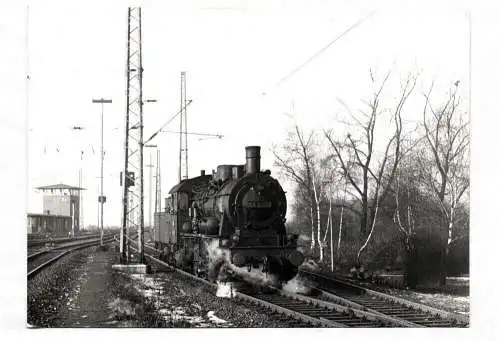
x,y
238,56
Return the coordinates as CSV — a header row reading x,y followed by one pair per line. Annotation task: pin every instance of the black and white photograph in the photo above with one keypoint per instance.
x,y
244,164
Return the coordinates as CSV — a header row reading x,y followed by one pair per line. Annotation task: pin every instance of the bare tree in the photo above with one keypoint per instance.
x,y
329,226
404,218
446,165
331,181
339,239
296,161
370,179
318,215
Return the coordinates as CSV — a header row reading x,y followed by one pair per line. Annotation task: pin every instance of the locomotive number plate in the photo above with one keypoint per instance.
x,y
259,204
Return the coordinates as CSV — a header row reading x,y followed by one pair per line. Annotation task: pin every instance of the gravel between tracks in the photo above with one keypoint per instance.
x,y
81,290
44,290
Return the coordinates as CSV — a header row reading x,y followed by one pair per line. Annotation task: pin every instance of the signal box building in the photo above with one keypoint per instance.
x,y
61,210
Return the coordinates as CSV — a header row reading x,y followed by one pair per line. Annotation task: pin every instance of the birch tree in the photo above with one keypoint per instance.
x,y
296,160
369,176
331,180
329,227
445,164
339,239
329,224
404,218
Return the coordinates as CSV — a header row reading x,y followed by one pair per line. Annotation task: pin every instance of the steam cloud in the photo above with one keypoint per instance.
x,y
220,265
298,285
225,290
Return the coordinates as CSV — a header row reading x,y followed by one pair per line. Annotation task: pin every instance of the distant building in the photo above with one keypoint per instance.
x,y
54,225
61,211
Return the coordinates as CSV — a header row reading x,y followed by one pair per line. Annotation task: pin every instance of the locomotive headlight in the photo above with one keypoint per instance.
x,y
295,257
235,238
239,259
291,239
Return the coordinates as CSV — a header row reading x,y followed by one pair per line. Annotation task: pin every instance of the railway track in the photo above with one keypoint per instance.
x,y
40,260
297,310
335,316
351,295
36,251
33,243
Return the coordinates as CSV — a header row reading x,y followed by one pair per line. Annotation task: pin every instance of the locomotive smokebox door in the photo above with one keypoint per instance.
x,y
257,209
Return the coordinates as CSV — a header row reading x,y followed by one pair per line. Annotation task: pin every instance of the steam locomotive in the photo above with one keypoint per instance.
x,y
236,215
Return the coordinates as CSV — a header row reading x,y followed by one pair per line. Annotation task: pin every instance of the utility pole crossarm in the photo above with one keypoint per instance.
x,y
196,134
102,101
170,120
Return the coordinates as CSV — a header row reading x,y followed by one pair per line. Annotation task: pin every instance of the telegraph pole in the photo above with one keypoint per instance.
x,y
27,112
80,185
180,136
102,198
185,128
79,200
150,196
158,183
183,148
150,166
98,211
82,222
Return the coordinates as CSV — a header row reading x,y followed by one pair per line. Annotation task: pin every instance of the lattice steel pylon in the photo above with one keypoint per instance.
x,y
133,189
183,147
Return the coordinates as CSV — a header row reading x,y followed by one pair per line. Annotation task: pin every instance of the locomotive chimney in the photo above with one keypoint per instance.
x,y
253,159
202,173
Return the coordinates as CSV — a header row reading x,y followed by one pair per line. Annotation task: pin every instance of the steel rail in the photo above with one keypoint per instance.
x,y
37,242
35,271
385,298
358,311
62,247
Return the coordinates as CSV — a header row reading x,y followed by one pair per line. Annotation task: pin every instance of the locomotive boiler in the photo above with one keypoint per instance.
x,y
235,215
